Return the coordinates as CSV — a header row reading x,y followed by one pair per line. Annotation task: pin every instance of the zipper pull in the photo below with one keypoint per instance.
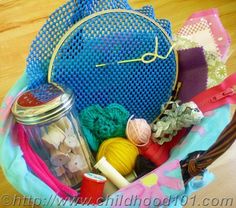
x,y
222,95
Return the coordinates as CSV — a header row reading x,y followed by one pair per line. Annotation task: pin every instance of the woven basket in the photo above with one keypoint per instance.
x,y
172,180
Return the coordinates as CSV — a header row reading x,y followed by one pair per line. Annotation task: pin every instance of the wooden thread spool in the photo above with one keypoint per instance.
x,y
53,138
58,158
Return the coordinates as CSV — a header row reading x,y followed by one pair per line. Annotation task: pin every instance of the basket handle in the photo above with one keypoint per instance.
x,y
196,165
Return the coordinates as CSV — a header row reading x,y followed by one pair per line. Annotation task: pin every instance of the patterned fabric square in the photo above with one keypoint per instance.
x,y
221,36
200,32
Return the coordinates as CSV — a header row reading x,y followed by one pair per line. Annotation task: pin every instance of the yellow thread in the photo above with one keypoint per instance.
x,y
120,153
100,65
142,59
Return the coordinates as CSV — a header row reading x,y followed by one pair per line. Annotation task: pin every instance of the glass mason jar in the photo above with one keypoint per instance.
x,y
50,121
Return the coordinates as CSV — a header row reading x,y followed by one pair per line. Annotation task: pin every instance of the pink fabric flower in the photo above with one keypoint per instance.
x,y
149,186
209,113
199,129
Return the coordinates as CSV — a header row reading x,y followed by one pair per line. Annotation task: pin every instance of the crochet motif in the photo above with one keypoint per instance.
x,y
99,124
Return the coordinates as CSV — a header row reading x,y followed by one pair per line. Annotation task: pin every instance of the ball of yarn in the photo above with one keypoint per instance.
x,y
120,153
138,132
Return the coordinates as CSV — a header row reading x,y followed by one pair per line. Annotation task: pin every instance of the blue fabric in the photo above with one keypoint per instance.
x,y
211,125
67,15
108,38
193,186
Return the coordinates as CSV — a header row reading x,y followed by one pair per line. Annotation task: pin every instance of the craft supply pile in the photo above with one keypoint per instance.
x,y
88,134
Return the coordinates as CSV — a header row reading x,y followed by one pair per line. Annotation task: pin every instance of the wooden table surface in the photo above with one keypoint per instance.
x,y
21,19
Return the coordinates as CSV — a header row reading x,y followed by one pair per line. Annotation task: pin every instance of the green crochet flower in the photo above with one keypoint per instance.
x,y
99,124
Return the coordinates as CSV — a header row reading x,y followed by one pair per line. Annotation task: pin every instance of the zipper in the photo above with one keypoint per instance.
x,y
215,97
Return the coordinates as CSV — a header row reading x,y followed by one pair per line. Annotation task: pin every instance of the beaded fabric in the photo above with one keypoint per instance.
x,y
141,88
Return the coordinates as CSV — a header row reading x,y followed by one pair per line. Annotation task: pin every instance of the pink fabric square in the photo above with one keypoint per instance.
x,y
200,32
221,36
